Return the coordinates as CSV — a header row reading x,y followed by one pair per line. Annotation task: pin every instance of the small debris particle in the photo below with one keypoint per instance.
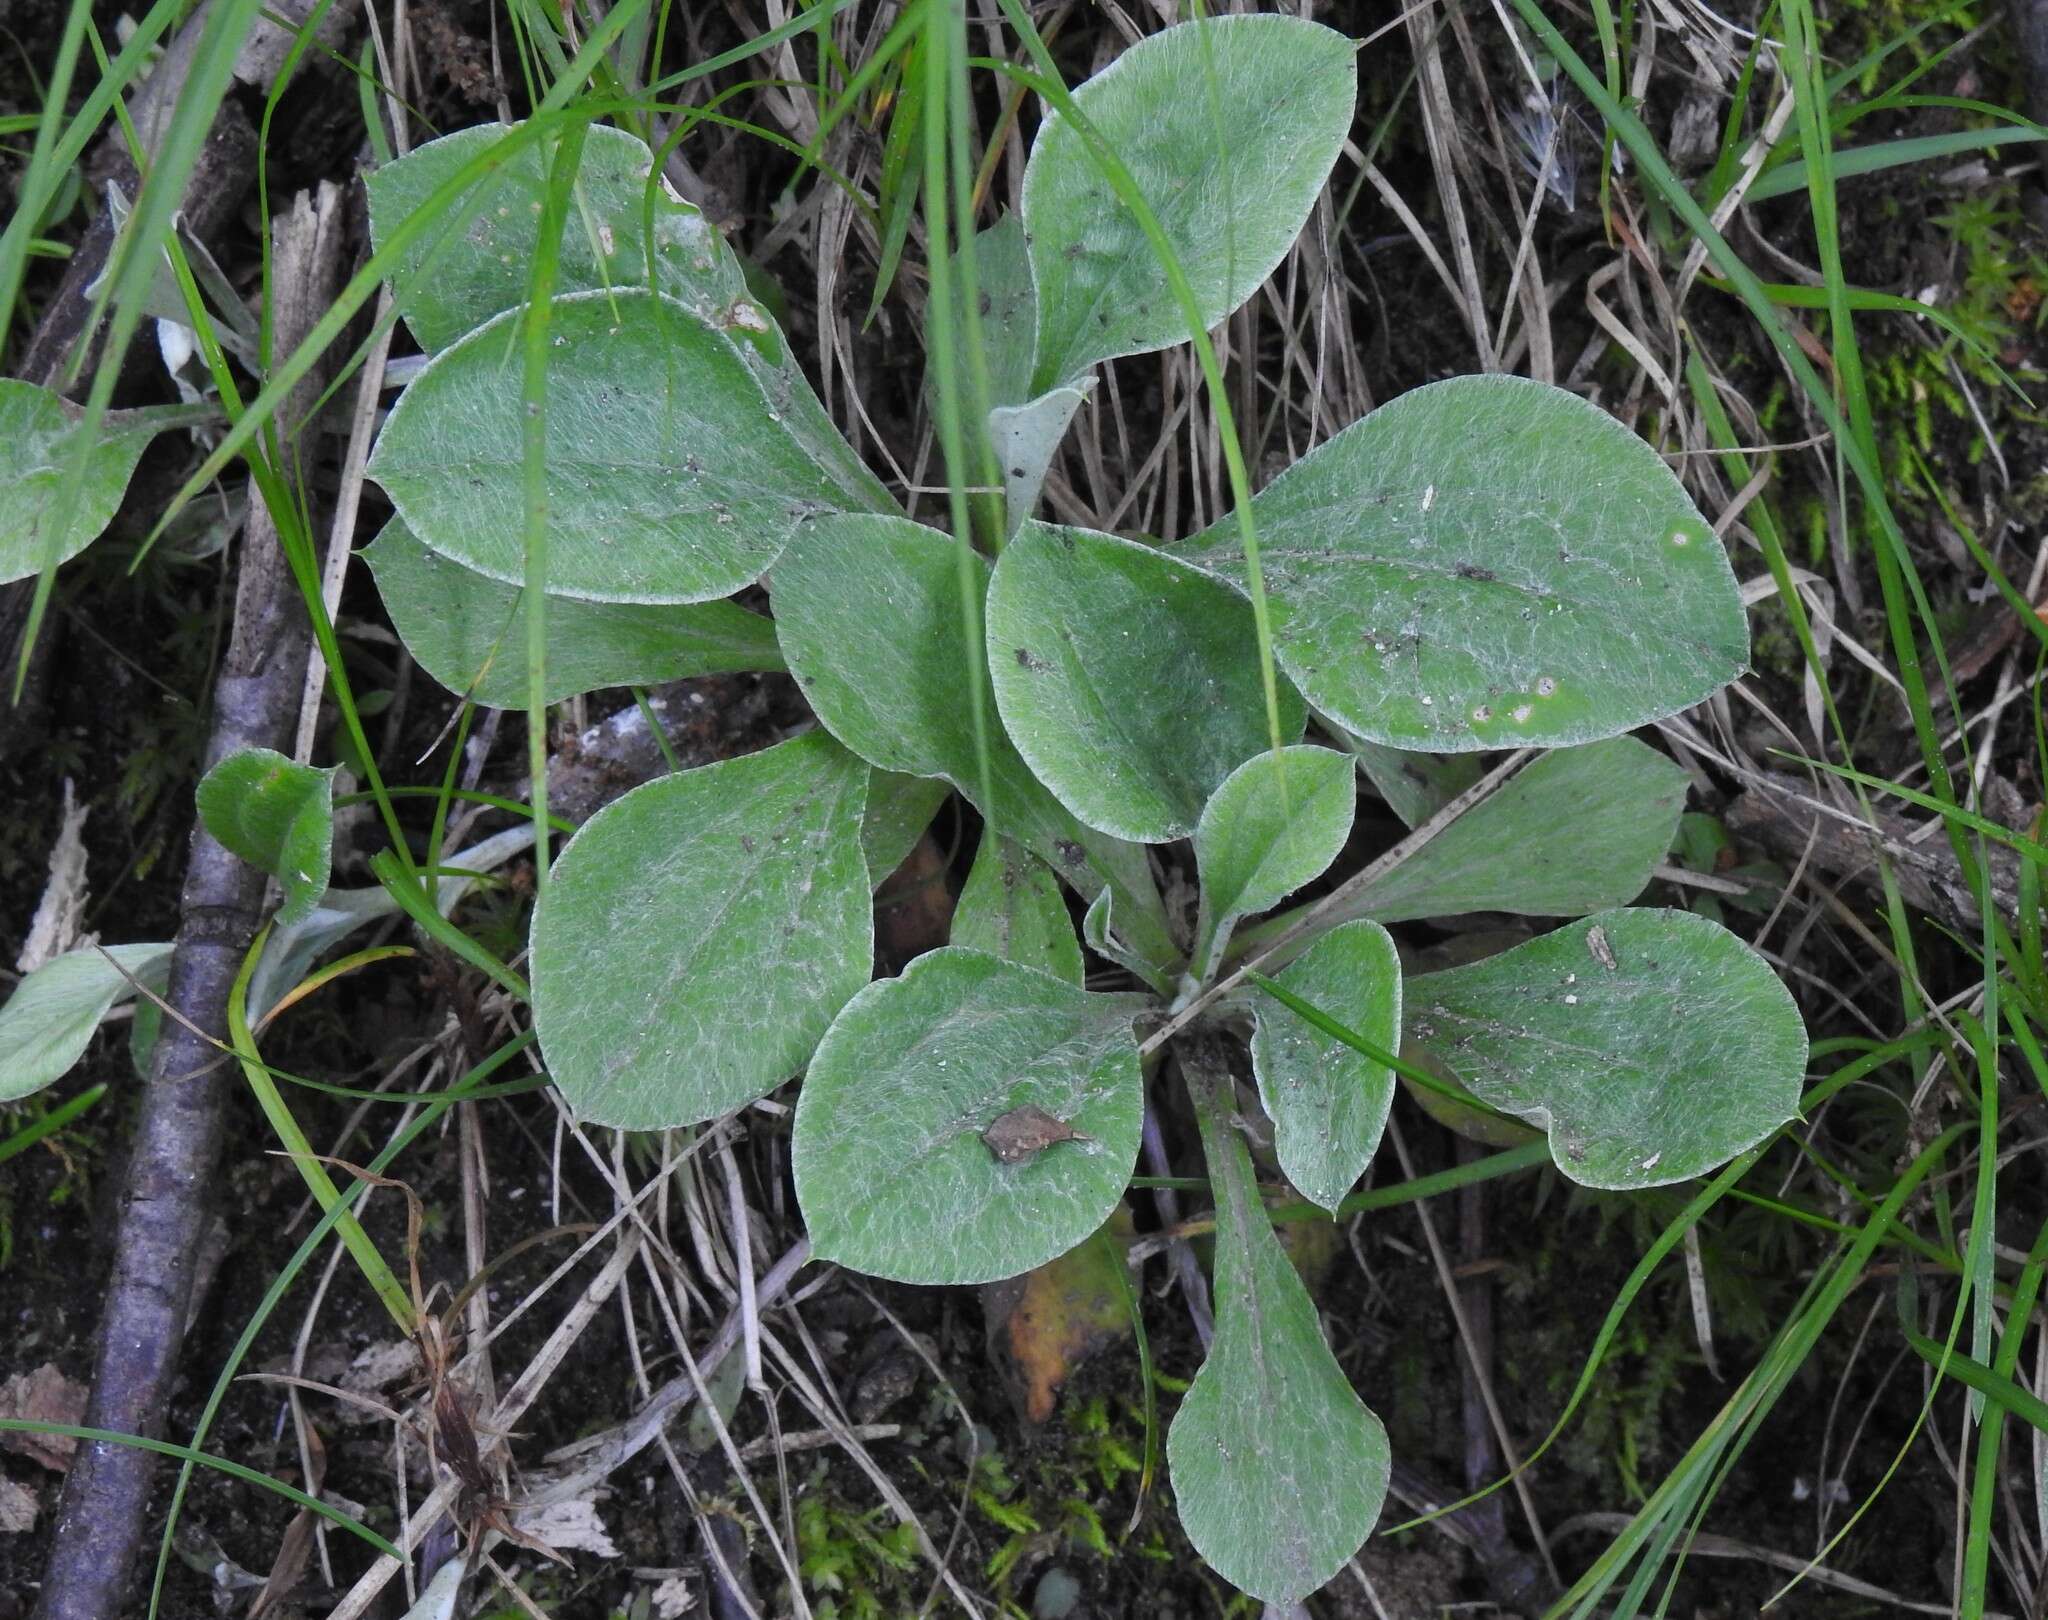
x,y
1474,571
1545,686
1027,659
1680,538
1481,715
1429,497
1603,953
1651,1162
1522,713
1024,1133
1571,1001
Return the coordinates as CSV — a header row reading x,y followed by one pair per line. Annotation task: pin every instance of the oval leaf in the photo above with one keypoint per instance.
x,y
48,1022
1328,1101
1651,1045
868,610
1577,830
1490,562
1229,128
1278,1468
468,631
669,476
1129,680
700,933
1012,907
917,1152
1276,823
486,267
279,817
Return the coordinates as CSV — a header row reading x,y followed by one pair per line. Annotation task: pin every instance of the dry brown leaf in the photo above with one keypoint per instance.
x,y
42,1396
18,1507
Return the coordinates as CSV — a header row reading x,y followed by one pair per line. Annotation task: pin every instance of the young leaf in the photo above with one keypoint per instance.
x,y
468,632
1329,1101
278,816
1008,307
38,432
701,932
1025,438
1578,830
899,809
1012,907
1490,562
1651,1045
1229,127
922,1150
1129,680
868,610
1278,1468
1276,823
486,270
670,478
48,1022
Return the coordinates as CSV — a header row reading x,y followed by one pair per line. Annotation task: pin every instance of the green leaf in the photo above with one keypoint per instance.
x,y
1099,927
1229,127
670,477
1025,438
1329,1101
468,632
48,1022
1415,786
1279,1470
1490,562
278,816
1012,907
1008,307
899,809
700,934
1651,1045
1129,680
1578,830
487,269
1276,823
38,438
868,610
892,1168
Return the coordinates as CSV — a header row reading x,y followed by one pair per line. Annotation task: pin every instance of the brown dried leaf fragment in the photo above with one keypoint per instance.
x,y
1025,1132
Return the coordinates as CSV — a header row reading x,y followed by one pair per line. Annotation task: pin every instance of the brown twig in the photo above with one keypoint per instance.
x,y
102,1515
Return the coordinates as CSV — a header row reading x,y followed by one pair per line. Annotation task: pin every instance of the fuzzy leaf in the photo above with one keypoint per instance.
x,y
670,478
1577,830
1415,786
39,434
868,610
1490,562
1651,1045
893,1167
1329,1101
1012,907
1229,127
46,1025
468,631
1279,1470
1025,438
1129,680
1276,823
899,809
700,934
486,270
279,817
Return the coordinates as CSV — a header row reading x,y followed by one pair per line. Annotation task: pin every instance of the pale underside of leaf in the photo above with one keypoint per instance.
x,y
1490,562
1651,1045
47,1023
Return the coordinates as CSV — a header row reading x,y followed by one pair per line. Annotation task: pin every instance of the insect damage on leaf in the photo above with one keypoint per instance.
x,y
1025,1132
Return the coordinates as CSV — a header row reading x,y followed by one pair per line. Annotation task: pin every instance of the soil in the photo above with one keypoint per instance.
x,y
1031,1510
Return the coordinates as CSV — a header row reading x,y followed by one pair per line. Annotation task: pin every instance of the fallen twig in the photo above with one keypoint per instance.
x,y
101,1517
